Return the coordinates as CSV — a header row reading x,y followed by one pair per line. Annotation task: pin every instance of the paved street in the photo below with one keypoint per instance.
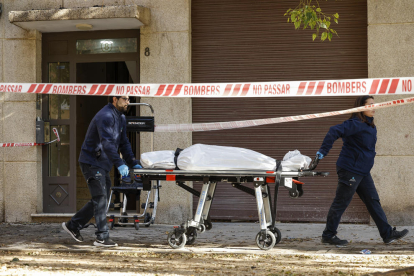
x,y
227,248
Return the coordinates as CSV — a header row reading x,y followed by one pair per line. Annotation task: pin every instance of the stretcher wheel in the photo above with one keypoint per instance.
x,y
202,228
277,234
191,236
267,243
294,194
175,242
300,189
136,225
112,222
111,225
124,220
208,225
147,219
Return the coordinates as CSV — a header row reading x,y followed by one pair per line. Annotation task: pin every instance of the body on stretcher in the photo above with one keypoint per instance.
x,y
268,235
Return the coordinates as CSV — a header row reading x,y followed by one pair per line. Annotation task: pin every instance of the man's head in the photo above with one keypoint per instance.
x,y
120,102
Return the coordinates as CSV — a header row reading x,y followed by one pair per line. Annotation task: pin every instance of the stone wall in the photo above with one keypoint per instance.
x,y
168,38
390,54
20,61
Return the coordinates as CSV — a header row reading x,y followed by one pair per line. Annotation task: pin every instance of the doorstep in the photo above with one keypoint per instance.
x,y
61,217
51,217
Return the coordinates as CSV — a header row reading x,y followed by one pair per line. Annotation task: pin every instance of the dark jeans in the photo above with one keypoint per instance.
x,y
99,184
348,184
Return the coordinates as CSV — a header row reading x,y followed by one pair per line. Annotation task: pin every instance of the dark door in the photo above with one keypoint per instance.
x,y
88,106
59,166
71,58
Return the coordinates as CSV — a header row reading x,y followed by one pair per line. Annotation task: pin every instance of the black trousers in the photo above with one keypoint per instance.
x,y
348,184
99,184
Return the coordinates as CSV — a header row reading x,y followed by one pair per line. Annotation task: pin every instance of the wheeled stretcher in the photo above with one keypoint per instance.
x,y
269,234
132,185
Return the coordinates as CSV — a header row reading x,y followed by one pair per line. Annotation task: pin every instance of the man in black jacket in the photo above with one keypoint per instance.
x,y
106,134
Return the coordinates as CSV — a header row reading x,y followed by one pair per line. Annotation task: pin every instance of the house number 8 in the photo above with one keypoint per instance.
x,y
147,51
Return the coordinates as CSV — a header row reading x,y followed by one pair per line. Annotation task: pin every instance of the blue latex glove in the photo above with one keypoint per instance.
x,y
137,166
123,170
320,155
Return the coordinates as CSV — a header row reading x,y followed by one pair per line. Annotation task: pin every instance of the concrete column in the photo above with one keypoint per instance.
x,y
2,190
20,167
168,38
390,55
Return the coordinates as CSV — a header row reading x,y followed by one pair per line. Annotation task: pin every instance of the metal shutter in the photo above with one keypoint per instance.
x,y
248,41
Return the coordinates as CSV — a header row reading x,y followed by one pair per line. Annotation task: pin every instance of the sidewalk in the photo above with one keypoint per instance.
x,y
302,238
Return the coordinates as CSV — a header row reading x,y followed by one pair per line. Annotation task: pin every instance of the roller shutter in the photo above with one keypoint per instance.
x,y
250,41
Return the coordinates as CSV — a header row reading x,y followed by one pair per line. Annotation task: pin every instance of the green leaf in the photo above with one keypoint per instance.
x,y
312,16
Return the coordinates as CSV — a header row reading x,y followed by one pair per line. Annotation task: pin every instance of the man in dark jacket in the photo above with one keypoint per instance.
x,y
106,134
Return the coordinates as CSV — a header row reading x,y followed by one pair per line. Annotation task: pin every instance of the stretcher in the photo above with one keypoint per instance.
x,y
132,184
128,186
269,234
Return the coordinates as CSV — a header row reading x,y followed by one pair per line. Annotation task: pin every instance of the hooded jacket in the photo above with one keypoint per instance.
x,y
358,150
106,134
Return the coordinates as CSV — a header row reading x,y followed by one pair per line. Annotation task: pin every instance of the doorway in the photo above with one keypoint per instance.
x,y
80,57
88,106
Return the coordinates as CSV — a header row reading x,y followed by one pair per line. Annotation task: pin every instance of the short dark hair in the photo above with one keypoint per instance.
x,y
111,98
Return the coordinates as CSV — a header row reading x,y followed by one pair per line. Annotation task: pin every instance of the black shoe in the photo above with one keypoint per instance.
x,y
75,234
105,243
335,241
396,235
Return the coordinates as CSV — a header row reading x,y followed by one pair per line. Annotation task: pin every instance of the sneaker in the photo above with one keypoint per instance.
x,y
396,235
75,234
105,243
335,241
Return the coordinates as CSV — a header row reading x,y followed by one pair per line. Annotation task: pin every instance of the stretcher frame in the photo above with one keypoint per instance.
x,y
269,235
123,191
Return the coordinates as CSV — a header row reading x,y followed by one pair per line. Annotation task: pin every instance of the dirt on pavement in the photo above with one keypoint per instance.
x,y
228,249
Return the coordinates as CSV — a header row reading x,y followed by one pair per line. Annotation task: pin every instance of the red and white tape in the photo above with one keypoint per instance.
x,y
217,90
7,145
259,122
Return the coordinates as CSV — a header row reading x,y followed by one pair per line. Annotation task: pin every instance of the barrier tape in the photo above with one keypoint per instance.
x,y
6,145
259,122
213,90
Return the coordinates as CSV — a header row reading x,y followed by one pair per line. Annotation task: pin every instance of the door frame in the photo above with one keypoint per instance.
x,y
48,56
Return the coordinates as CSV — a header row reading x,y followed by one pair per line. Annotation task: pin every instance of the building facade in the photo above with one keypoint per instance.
x,y
196,41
